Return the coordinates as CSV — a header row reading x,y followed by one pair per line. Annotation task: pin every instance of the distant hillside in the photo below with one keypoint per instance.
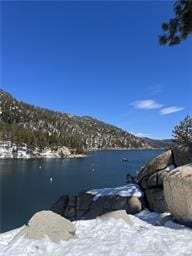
x,y
39,127
159,143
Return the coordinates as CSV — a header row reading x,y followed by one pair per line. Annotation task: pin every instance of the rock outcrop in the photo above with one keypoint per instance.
x,y
47,223
182,154
84,206
63,151
151,179
178,193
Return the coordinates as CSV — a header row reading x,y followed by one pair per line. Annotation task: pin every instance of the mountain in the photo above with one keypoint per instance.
x,y
166,143
39,127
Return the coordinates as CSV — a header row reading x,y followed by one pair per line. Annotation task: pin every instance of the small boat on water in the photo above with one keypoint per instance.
x,y
124,159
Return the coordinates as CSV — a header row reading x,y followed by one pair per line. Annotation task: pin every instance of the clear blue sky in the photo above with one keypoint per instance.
x,y
100,59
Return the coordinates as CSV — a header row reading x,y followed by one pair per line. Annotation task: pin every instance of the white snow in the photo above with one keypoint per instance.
x,y
128,190
11,150
108,238
170,167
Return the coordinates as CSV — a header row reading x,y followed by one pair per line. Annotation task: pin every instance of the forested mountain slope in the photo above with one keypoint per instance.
x,y
39,127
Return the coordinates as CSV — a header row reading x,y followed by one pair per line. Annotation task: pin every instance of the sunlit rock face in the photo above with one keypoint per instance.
x,y
48,223
182,154
178,193
151,177
151,180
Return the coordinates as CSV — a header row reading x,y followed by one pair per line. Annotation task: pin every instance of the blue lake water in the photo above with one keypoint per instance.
x,y
26,186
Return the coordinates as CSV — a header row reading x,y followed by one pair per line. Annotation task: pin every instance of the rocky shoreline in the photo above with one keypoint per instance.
x,y
163,185
146,191
150,182
10,150
117,216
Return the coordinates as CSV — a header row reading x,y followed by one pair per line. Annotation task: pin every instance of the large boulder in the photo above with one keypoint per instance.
x,y
70,210
151,179
135,204
107,204
155,199
120,214
85,206
158,163
47,223
182,154
64,151
178,193
60,205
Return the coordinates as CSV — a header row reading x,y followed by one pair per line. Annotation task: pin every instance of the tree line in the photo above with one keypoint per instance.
x,y
37,139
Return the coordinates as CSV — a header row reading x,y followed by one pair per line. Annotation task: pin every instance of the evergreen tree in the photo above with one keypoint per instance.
x,y
179,27
182,133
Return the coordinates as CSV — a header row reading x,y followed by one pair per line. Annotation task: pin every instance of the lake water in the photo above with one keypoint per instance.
x,y
26,186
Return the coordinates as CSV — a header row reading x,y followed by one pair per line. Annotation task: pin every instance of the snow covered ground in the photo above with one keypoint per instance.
x,y
109,238
128,190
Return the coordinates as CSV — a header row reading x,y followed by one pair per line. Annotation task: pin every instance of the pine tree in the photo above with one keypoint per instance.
x,y
179,27
182,133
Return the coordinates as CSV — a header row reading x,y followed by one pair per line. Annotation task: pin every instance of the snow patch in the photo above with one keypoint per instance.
x,y
170,168
128,190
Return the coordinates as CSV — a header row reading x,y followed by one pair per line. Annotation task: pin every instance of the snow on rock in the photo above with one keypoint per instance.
x,y
170,168
110,237
131,189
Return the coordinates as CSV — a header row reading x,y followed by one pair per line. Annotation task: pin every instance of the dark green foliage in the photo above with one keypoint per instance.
x,y
179,27
182,133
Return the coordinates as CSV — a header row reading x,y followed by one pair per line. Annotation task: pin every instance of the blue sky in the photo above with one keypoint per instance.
x,y
100,59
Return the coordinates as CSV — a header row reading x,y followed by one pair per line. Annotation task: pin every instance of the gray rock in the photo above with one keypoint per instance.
x,y
60,205
96,209
84,200
106,204
182,155
47,223
164,218
119,203
70,210
160,177
155,199
156,179
151,180
83,206
178,193
157,164
134,205
144,182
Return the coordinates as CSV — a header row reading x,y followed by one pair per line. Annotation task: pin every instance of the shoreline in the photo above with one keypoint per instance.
x,y
54,155
125,149
44,157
